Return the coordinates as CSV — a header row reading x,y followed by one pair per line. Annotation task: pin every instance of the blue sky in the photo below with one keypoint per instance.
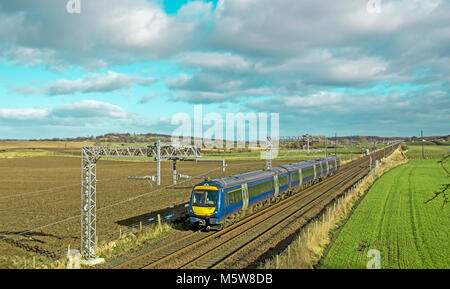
x,y
130,66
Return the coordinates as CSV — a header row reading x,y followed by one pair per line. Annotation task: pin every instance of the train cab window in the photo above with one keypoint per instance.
x,y
205,197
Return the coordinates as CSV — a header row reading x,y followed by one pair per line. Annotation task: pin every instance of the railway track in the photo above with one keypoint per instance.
x,y
229,249
216,249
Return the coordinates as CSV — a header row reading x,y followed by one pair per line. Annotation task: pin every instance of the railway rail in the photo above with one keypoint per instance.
x,y
217,249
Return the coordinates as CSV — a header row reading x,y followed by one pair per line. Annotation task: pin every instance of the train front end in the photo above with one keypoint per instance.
x,y
205,206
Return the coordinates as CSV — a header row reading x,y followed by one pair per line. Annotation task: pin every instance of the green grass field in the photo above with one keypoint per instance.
x,y
403,216
431,150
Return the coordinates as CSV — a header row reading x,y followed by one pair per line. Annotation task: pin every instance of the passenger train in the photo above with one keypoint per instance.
x,y
219,202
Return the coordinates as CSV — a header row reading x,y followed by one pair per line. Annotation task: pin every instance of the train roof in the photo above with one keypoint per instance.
x,y
250,176
307,163
260,174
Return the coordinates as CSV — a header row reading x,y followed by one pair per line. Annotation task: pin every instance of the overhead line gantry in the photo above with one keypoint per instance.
x,y
89,157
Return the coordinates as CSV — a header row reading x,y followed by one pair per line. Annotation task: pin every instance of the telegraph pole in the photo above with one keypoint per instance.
x,y
421,133
335,144
307,138
174,178
373,150
158,162
326,147
268,152
351,147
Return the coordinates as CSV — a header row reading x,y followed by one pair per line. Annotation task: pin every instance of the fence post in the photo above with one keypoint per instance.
x,y
289,256
159,220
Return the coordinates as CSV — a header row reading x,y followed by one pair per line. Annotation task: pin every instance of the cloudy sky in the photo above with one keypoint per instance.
x,y
129,66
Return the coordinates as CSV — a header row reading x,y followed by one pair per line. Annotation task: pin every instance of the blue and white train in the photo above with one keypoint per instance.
x,y
217,203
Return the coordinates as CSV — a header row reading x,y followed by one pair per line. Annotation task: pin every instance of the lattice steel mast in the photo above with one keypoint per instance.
x,y
89,157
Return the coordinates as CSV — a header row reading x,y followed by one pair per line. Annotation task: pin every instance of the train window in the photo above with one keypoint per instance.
x,y
211,198
308,172
235,196
205,197
261,188
295,176
282,181
198,197
255,190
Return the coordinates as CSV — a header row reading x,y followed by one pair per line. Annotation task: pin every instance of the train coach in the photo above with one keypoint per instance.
x,y
219,202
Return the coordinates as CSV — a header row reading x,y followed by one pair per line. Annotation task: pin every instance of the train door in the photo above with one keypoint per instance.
x,y
300,177
244,196
315,171
290,175
328,167
276,184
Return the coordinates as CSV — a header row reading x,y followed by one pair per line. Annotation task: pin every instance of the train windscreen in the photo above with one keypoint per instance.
x,y
205,197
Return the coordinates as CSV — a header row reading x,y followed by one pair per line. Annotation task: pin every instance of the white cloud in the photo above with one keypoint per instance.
x,y
136,28
33,56
216,61
108,82
89,109
108,32
24,113
85,109
195,10
320,99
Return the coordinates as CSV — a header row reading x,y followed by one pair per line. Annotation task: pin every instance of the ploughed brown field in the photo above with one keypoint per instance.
x,y
36,191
